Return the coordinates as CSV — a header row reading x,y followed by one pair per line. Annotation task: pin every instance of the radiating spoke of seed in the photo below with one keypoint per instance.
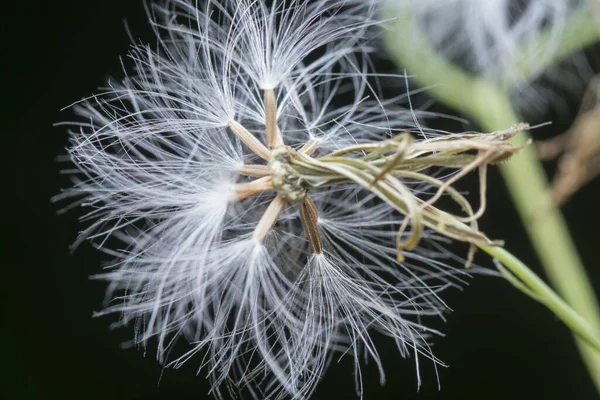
x,y
310,220
274,138
245,190
269,219
309,147
254,170
249,140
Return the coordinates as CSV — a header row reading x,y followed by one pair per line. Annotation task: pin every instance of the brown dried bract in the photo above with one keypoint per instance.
x,y
578,149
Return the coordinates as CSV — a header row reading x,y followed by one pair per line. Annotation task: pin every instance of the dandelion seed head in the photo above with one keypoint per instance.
x,y
178,162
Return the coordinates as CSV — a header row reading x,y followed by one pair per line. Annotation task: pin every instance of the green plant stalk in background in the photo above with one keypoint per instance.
x,y
489,105
525,280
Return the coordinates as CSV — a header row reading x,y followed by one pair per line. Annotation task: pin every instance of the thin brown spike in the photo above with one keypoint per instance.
x,y
274,138
254,171
309,147
269,219
249,140
310,220
245,190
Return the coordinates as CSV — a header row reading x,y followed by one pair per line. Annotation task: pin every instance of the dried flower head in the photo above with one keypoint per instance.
x,y
578,149
259,221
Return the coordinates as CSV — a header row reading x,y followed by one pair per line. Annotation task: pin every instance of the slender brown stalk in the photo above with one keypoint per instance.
x,y
274,138
245,190
249,140
269,219
310,220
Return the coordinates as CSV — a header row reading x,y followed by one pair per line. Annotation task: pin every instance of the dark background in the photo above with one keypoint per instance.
x,y
499,343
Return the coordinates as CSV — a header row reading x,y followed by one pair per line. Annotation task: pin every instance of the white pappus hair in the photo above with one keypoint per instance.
x,y
496,38
490,33
158,159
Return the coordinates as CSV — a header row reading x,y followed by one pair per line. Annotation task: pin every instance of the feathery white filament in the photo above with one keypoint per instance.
x,y
495,38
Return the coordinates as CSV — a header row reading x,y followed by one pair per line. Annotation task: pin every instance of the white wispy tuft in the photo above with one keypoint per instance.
x,y
495,38
158,161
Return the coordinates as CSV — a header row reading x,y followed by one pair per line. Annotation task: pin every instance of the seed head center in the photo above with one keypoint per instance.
x,y
286,181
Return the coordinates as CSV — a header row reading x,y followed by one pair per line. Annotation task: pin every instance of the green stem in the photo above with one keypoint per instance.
x,y
547,230
489,105
546,295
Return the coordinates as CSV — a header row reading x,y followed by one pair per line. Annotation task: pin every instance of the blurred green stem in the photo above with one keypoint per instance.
x,y
531,284
488,104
